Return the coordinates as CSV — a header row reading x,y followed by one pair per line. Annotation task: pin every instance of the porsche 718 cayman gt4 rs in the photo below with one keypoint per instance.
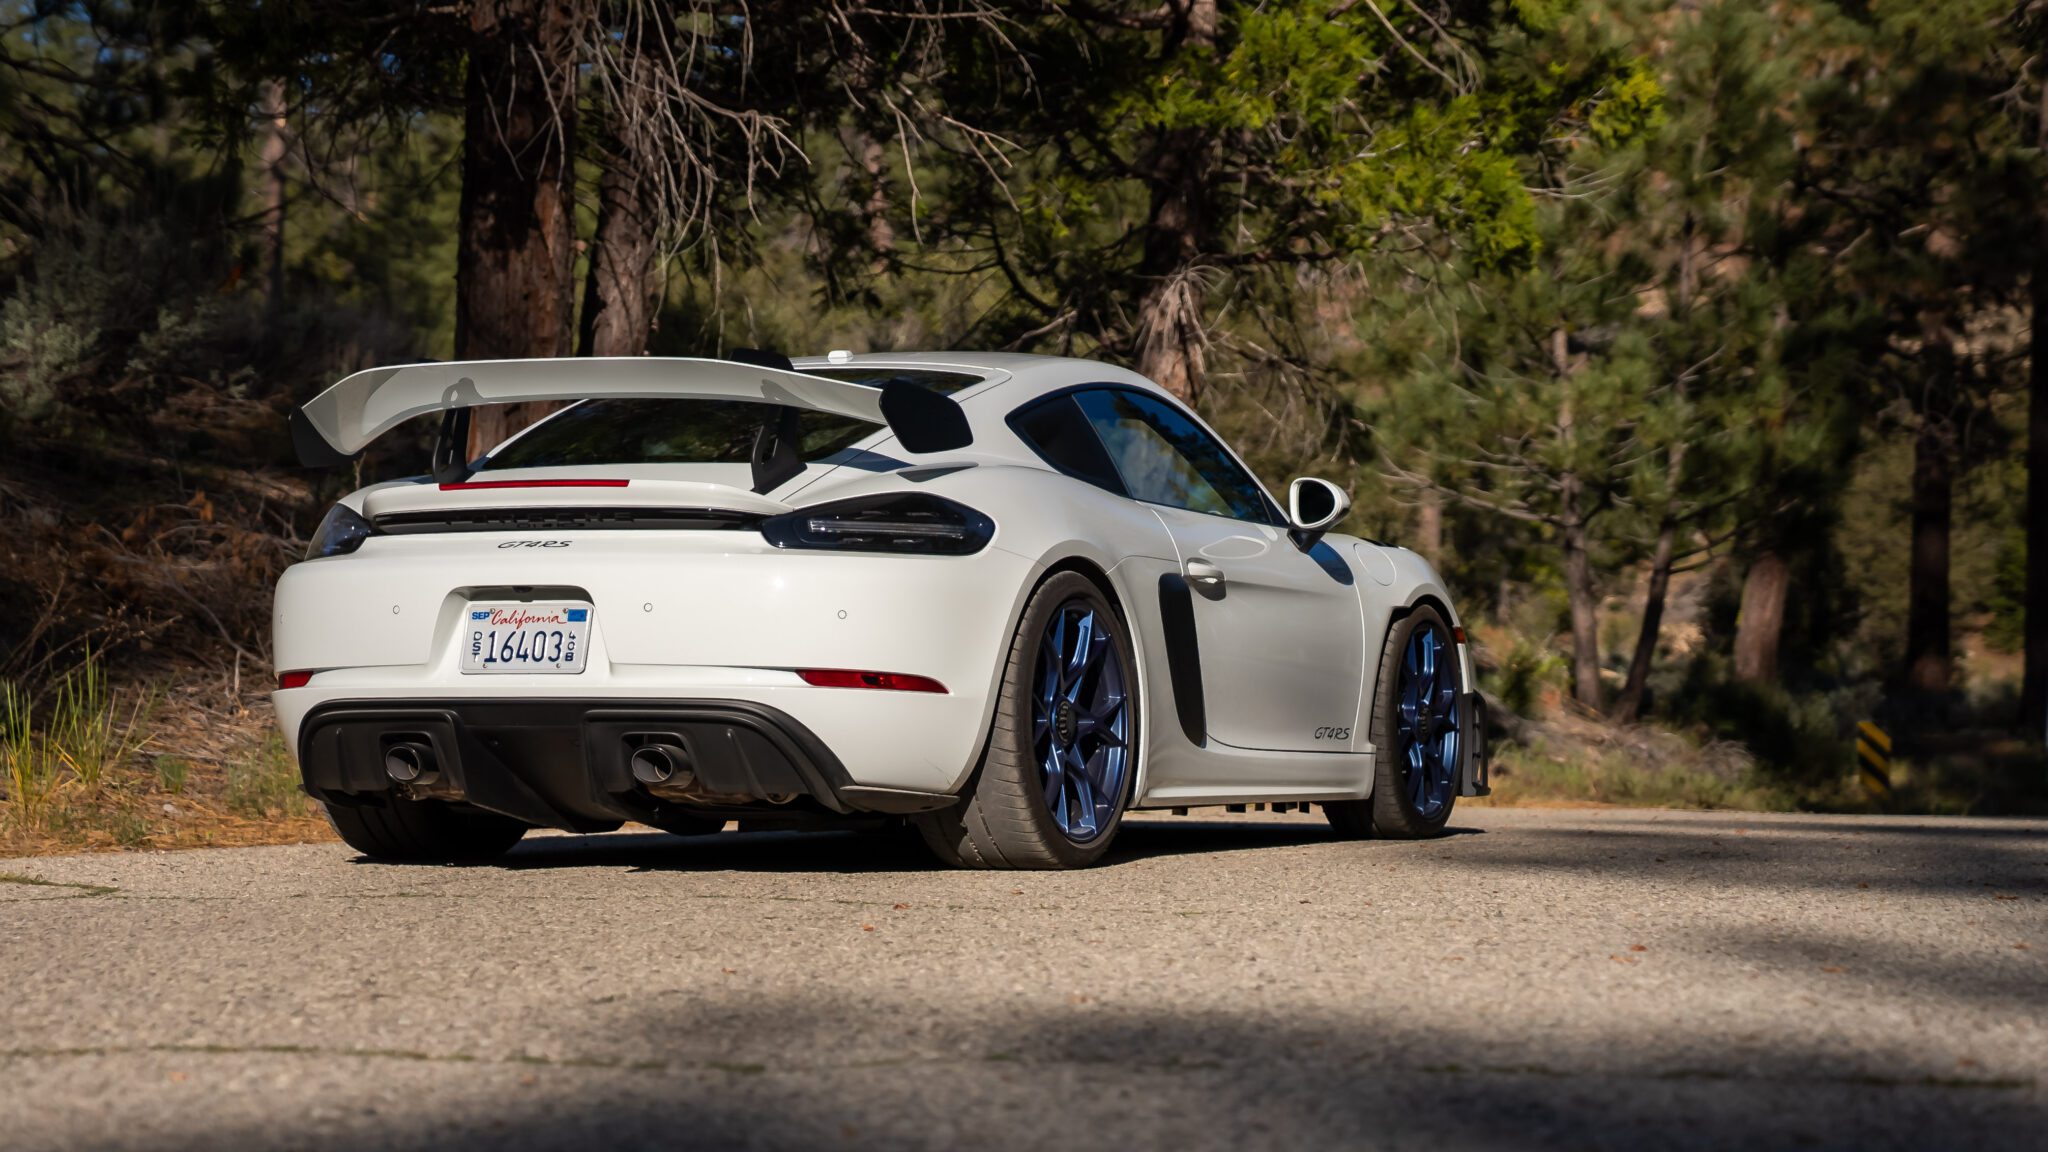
x,y
1004,598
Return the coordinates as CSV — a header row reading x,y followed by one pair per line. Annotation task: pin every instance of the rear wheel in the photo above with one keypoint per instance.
x,y
1052,784
1418,728
425,831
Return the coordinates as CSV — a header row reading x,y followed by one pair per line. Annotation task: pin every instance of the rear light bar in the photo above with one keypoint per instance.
x,y
293,679
890,681
477,485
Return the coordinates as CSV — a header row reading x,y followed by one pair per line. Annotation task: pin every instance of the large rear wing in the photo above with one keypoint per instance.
x,y
341,421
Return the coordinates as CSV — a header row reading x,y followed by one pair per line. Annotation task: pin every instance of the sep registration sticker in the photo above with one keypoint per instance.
x,y
525,637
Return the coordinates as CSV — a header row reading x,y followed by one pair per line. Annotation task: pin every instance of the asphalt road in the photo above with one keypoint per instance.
x,y
1560,979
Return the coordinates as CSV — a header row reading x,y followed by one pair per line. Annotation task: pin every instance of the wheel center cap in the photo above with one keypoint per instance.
x,y
1065,725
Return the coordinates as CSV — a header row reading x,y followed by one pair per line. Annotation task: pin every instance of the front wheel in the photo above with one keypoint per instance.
x,y
1419,728
1052,784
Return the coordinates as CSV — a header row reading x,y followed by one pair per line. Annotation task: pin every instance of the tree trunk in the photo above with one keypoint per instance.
x,y
1429,525
1169,326
1760,621
1662,554
619,291
1578,566
1169,330
515,269
1928,665
1585,602
271,154
2034,683
1630,703
881,234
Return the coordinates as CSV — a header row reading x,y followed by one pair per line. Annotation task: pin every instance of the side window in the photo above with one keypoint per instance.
x,y
1058,431
1165,458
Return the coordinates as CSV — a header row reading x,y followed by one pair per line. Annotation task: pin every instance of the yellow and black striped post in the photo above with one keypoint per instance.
x,y
1874,760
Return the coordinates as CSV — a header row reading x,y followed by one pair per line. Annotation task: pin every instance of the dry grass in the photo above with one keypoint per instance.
x,y
200,765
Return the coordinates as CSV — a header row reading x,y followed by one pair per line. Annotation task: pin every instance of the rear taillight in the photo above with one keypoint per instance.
x,y
888,681
341,531
293,679
908,522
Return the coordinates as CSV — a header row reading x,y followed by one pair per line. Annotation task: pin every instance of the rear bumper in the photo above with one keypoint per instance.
x,y
563,763
680,618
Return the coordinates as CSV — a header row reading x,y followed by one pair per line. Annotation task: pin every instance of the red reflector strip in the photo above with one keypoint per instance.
x,y
1458,634
474,485
891,681
293,679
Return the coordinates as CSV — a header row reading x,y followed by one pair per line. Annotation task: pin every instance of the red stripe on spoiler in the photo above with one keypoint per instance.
x,y
469,485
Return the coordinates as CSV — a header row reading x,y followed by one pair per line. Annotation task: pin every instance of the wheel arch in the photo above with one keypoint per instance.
x,y
1422,600
1095,572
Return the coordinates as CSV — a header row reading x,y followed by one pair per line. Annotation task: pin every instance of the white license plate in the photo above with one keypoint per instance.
x,y
525,637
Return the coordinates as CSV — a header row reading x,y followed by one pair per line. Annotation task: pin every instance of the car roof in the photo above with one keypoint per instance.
x,y
1013,380
1020,376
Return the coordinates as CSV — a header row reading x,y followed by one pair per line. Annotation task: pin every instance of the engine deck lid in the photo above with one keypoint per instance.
x,y
543,492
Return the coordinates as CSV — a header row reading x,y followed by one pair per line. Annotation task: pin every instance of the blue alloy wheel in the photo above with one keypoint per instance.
x,y
1427,719
1080,720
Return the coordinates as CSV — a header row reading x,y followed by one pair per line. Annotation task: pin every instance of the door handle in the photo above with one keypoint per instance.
x,y
1204,573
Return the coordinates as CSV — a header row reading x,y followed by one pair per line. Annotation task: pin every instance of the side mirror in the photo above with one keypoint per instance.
x,y
1313,508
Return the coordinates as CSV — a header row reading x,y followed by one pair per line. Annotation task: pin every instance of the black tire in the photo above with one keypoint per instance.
x,y
1002,820
420,831
1390,812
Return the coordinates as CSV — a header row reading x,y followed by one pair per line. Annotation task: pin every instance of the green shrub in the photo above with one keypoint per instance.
x,y
263,781
173,773
31,764
1519,679
1799,740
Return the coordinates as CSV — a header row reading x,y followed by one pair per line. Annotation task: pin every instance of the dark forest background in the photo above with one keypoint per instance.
x,y
1691,340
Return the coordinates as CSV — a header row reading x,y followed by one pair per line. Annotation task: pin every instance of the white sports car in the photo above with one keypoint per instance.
x,y
1004,598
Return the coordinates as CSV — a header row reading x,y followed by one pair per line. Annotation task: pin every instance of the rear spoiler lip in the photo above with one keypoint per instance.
x,y
336,425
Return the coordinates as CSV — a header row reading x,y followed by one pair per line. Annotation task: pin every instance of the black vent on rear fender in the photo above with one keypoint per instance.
x,y
566,519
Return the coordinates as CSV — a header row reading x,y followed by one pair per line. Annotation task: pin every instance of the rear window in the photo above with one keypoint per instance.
x,y
669,432
1059,430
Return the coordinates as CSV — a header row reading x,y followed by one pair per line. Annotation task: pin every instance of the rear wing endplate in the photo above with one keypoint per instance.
x,y
340,422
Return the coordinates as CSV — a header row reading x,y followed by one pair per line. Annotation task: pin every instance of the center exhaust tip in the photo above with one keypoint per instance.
x,y
660,764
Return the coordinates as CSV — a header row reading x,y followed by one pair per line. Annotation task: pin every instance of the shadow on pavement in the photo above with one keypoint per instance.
x,y
797,1072
1721,851
1008,1045
891,850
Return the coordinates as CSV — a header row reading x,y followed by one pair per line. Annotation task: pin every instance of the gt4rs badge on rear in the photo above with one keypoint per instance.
x,y
535,544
